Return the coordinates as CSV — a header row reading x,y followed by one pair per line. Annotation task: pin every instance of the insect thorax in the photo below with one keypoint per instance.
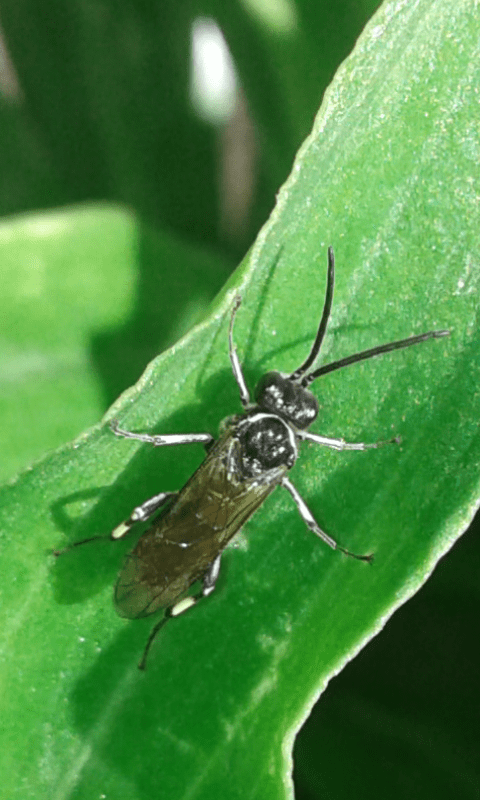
x,y
266,443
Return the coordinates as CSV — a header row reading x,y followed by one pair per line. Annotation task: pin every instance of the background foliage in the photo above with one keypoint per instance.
x,y
97,117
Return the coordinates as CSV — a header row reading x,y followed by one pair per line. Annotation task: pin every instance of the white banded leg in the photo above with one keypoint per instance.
x,y
341,444
208,585
141,513
310,521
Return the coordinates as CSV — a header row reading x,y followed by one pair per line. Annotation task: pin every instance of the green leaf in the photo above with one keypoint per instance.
x,y
101,107
89,296
108,96
388,178
287,54
400,720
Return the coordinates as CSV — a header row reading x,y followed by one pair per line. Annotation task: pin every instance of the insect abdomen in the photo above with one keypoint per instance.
x,y
178,548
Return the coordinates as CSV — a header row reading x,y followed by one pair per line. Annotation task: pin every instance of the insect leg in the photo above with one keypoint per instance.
x,y
210,578
310,521
166,439
235,361
209,581
341,444
141,513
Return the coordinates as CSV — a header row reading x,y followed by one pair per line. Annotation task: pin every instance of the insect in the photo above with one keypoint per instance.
x,y
253,455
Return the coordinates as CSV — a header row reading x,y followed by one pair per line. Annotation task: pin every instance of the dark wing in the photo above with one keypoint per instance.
x,y
180,546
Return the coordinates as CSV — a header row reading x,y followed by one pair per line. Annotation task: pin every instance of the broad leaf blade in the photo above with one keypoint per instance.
x,y
89,296
385,177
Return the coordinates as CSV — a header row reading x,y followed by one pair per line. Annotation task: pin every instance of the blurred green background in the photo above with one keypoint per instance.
x,y
104,110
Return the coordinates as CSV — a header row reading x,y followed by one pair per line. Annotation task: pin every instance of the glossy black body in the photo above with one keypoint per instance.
x,y
239,472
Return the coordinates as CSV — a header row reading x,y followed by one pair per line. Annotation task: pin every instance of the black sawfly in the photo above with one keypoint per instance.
x,y
252,456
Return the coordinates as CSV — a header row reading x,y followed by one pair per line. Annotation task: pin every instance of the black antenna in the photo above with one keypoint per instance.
x,y
323,322
374,351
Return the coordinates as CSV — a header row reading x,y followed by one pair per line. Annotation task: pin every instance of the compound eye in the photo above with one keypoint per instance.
x,y
306,408
270,392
